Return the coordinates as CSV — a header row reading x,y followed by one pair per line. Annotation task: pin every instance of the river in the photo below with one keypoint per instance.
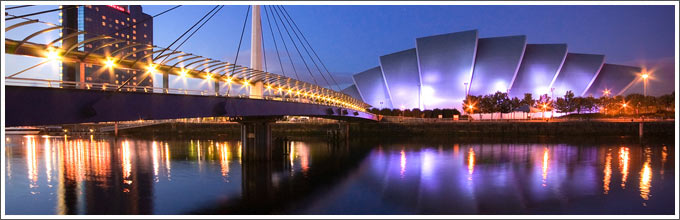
x,y
107,175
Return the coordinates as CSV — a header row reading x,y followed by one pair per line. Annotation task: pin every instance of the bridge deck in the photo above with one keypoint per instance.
x,y
27,106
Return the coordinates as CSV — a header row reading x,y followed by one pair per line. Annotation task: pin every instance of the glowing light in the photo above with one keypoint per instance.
x,y
110,62
606,92
151,68
53,55
645,75
245,82
183,73
607,172
269,87
228,80
208,76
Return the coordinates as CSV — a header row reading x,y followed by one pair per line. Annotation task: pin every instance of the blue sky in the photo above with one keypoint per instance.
x,y
350,39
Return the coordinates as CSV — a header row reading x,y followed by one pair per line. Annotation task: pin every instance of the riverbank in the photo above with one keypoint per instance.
x,y
458,129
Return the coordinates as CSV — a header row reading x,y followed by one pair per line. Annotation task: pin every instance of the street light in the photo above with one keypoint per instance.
x,y
606,92
644,76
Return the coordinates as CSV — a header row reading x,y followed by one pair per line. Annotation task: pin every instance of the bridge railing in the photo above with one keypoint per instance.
x,y
148,89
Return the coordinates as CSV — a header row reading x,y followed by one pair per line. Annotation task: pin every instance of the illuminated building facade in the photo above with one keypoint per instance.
x,y
442,69
128,26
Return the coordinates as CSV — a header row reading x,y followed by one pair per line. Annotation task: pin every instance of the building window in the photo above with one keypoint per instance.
x,y
123,23
116,21
86,19
134,49
128,19
144,24
134,38
103,23
134,20
103,17
96,8
110,25
134,55
88,6
144,35
134,32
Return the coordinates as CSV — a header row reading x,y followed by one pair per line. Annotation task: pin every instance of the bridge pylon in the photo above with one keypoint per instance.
x,y
257,88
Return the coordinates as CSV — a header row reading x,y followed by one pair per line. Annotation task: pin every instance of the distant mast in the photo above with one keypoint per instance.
x,y
256,51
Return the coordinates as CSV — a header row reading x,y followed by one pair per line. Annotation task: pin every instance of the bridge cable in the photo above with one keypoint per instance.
x,y
311,48
20,6
283,40
274,40
296,48
185,32
238,50
165,49
305,48
42,12
29,68
192,34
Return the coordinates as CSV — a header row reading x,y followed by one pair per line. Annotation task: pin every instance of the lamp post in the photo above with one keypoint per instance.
x,y
644,78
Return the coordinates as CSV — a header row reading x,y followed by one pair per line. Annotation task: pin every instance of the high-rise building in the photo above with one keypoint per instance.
x,y
121,22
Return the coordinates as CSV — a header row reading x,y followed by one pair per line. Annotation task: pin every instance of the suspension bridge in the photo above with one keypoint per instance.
x,y
267,97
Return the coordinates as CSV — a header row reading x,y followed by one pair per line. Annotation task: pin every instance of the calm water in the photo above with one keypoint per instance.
x,y
97,175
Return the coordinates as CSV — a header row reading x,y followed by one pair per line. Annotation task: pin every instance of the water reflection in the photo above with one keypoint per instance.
x,y
546,158
91,175
624,159
646,175
607,171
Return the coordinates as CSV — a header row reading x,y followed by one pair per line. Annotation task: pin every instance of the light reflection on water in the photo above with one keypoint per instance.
x,y
68,175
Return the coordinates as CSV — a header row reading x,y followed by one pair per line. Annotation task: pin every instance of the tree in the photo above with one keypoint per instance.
x,y
544,103
635,101
667,102
416,112
487,105
589,103
515,103
385,111
527,100
502,103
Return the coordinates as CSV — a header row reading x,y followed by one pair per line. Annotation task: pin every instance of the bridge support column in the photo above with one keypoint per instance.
x,y
256,139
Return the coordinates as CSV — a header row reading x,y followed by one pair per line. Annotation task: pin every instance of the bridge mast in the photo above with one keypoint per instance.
x,y
256,51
